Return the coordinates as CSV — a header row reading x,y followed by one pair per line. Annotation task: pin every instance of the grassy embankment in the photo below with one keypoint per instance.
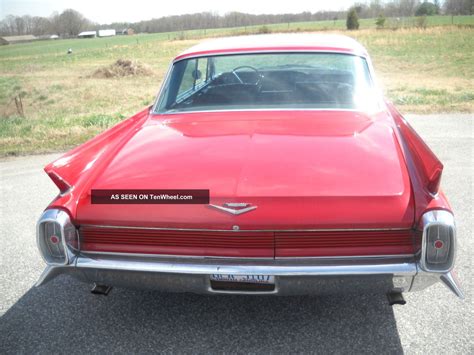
x,y
422,70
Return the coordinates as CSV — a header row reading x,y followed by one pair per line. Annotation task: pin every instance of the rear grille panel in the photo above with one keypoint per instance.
x,y
344,243
249,243
170,242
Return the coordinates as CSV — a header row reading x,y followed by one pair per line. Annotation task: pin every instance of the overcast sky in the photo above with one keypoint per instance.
x,y
106,11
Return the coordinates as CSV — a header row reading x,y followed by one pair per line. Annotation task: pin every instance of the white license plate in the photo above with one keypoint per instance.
x,y
255,279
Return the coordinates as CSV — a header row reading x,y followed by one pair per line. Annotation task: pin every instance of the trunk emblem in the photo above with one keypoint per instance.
x,y
235,208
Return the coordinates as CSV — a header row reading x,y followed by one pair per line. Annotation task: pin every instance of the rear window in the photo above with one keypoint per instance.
x,y
268,81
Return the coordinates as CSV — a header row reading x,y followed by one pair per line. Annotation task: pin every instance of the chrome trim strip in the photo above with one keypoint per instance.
x,y
187,56
160,91
347,257
50,272
232,211
167,256
452,283
259,110
237,204
246,268
289,258
250,230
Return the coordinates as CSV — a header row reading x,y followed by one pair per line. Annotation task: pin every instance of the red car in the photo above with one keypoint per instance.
x,y
268,164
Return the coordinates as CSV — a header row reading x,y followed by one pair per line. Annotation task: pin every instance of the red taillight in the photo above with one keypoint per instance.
x,y
54,239
50,241
439,239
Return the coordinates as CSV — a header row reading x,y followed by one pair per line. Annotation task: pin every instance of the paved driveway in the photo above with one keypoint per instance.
x,y
63,316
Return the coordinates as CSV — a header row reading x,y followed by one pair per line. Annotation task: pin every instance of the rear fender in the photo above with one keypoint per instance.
x,y
73,170
424,166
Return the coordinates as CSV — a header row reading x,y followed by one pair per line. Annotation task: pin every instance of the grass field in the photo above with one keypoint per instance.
x,y
421,70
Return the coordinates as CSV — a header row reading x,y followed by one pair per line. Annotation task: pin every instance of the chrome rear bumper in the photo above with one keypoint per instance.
x,y
292,276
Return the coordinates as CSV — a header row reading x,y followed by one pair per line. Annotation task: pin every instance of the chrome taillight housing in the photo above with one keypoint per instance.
x,y
56,237
439,241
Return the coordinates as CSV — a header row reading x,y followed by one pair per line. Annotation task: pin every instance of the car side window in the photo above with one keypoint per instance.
x,y
194,77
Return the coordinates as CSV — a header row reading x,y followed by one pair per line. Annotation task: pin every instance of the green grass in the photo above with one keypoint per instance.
x,y
422,70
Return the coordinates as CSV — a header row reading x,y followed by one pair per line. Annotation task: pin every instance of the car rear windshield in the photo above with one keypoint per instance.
x,y
268,81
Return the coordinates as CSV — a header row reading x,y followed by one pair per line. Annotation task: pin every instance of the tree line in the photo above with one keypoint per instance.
x,y
67,24
70,22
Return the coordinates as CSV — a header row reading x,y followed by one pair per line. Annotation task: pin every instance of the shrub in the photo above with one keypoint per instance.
x,y
380,22
421,21
427,8
264,29
352,22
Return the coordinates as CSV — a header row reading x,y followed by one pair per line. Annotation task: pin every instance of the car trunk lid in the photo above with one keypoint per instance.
x,y
301,170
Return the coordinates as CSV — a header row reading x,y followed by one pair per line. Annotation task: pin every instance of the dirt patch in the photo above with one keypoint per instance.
x,y
122,68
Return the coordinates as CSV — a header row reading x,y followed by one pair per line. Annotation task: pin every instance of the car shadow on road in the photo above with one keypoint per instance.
x,y
63,316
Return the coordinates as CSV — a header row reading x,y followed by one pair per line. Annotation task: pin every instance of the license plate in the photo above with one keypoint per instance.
x,y
254,279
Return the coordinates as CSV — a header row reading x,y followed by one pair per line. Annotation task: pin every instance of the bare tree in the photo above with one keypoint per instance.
x,y
20,28
41,26
459,7
8,25
376,8
71,22
408,7
55,26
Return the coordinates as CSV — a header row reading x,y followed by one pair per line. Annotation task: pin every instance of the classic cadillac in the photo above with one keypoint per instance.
x,y
268,164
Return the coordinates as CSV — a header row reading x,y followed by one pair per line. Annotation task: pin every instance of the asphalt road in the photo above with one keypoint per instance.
x,y
63,316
